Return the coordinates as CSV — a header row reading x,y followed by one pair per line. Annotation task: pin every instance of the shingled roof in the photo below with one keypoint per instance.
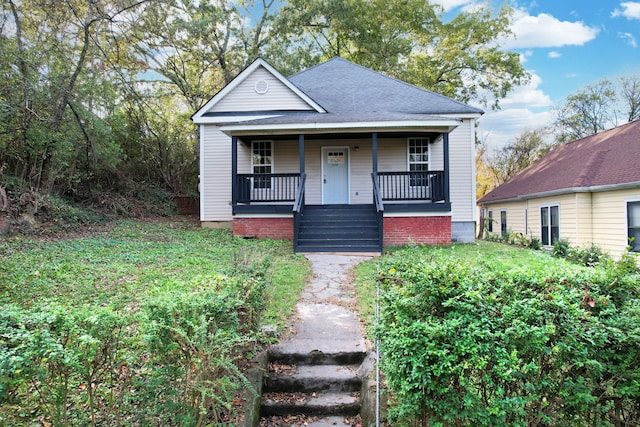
x,y
608,159
343,87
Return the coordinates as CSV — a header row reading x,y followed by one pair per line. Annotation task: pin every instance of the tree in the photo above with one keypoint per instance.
x,y
630,94
588,111
496,168
409,40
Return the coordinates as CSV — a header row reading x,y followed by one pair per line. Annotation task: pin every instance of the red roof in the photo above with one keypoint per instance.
x,y
607,158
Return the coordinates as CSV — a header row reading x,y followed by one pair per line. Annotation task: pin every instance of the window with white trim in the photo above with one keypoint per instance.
x,y
418,160
549,224
261,163
633,225
490,222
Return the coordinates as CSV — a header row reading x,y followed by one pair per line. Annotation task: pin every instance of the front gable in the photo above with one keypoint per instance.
x,y
258,88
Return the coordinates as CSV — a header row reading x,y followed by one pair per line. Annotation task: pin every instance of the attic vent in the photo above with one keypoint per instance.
x,y
261,86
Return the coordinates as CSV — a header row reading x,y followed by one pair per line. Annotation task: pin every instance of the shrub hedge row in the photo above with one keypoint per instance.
x,y
480,346
172,361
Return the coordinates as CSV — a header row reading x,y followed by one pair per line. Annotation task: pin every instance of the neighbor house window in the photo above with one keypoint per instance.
x,y
503,222
261,163
490,221
633,224
549,225
419,161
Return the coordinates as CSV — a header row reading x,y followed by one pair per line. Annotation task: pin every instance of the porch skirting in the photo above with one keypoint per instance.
x,y
270,227
429,230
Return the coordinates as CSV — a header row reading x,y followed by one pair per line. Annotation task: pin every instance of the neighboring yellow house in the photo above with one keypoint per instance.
x,y
586,191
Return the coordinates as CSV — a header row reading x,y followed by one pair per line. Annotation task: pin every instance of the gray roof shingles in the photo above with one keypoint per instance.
x,y
353,93
608,158
341,86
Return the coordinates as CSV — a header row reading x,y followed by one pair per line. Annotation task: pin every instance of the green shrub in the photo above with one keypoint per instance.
x,y
561,248
62,359
196,341
480,345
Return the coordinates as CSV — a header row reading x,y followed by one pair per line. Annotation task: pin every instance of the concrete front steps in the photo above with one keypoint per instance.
x,y
319,388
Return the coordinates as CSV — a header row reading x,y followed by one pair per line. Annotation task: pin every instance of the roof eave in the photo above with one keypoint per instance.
x,y
563,191
445,125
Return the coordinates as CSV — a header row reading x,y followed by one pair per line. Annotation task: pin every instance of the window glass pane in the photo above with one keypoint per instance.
x,y
555,217
634,239
544,216
555,234
633,209
490,223
545,236
503,222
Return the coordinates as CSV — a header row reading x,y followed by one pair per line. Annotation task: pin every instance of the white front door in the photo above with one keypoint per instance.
x,y
335,175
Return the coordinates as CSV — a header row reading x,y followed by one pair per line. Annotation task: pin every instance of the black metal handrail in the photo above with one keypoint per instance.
x,y
267,187
377,196
377,200
298,204
298,209
396,186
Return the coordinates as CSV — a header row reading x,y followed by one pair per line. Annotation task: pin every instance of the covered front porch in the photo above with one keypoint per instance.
x,y
391,191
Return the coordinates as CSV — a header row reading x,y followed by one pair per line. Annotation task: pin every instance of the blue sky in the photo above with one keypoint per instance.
x,y
565,45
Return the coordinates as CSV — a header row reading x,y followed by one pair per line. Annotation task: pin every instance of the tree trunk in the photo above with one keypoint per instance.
x,y
4,213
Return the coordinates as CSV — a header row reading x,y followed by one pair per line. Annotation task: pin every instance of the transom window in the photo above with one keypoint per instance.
x,y
419,161
633,224
261,163
549,225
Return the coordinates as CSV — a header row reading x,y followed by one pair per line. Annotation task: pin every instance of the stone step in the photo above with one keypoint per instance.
x,y
309,421
313,378
292,356
319,404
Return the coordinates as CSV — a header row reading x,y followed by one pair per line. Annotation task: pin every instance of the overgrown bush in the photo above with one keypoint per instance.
x,y
479,345
176,362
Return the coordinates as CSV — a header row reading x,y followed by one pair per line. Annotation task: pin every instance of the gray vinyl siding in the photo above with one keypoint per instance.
x,y
244,97
215,175
462,172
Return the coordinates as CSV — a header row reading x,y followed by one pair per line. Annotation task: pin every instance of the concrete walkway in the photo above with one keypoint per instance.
x,y
326,321
326,318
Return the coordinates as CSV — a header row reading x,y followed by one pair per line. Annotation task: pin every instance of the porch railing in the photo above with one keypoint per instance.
x,y
267,187
404,186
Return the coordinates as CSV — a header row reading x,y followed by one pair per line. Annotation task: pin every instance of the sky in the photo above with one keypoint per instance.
x,y
565,45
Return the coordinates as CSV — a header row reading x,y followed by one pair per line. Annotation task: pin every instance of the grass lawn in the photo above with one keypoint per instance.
x,y
121,266
141,323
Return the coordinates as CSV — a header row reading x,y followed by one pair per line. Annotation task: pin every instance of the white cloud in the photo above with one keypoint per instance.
x,y
530,96
500,128
553,54
630,39
517,114
545,30
452,4
630,10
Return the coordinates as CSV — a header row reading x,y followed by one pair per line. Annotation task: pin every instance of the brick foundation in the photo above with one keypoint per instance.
x,y
273,228
430,230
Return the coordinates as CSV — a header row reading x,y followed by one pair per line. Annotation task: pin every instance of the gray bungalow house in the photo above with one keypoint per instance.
x,y
337,158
